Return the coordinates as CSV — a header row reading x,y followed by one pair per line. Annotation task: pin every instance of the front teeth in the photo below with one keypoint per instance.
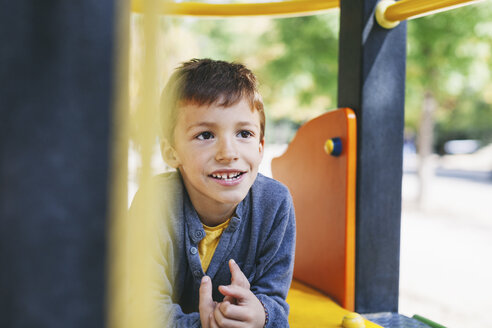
x,y
227,176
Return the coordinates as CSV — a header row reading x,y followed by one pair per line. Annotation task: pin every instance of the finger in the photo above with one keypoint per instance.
x,y
212,323
206,303
241,294
237,276
230,299
223,321
233,312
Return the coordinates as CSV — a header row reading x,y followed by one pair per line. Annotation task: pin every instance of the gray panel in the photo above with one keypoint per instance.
x,y
55,90
372,82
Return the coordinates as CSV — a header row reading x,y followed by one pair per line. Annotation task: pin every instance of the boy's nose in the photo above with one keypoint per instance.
x,y
226,151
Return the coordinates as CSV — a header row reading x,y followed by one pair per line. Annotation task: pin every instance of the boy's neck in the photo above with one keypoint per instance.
x,y
214,215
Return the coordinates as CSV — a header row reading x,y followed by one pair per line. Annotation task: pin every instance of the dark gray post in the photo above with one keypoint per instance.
x,y
56,60
372,82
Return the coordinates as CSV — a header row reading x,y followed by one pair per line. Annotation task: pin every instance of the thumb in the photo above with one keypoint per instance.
x,y
206,301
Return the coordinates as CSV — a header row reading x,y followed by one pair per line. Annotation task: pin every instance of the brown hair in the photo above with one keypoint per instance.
x,y
206,82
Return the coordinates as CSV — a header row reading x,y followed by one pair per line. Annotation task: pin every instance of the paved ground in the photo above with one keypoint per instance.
x,y
446,251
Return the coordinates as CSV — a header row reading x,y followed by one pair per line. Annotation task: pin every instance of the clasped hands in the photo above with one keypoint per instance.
x,y
240,308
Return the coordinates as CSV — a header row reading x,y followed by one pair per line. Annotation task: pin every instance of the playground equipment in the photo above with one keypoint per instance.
x,y
57,91
353,254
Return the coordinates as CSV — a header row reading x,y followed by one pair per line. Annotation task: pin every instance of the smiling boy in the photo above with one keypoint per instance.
x,y
217,151
226,255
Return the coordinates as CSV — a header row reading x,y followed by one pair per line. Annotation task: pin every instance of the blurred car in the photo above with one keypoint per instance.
x,y
461,146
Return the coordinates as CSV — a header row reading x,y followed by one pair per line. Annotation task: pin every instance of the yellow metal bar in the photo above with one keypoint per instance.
x,y
283,8
408,9
141,270
131,295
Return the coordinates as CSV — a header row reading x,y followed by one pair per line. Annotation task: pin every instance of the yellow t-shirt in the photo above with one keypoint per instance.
x,y
207,246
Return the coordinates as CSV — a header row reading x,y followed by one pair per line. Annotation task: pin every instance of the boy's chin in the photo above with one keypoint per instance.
x,y
233,198
236,194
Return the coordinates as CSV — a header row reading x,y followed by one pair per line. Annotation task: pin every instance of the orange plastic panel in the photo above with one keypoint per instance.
x,y
323,190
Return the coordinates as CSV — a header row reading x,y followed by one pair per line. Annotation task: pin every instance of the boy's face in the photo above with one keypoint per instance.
x,y
218,151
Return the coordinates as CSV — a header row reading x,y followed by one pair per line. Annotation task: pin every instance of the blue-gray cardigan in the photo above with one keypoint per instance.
x,y
260,238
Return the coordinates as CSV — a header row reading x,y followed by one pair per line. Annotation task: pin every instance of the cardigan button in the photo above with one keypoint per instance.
x,y
193,250
198,234
234,223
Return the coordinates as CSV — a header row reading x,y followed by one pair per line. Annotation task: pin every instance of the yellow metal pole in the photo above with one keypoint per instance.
x,y
283,8
407,9
141,242
389,13
131,295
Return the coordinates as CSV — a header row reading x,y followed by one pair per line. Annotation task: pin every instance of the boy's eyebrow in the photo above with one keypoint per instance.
x,y
247,123
202,124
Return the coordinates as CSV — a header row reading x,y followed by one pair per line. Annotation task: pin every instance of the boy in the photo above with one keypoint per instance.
x,y
226,255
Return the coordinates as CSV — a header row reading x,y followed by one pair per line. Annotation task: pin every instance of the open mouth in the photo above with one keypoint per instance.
x,y
227,176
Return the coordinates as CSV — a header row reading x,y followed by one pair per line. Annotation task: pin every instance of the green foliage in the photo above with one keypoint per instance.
x,y
312,44
303,78
449,56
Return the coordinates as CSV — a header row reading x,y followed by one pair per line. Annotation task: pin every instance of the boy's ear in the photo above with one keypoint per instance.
x,y
262,146
168,153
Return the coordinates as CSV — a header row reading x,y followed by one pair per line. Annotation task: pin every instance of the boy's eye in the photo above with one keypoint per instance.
x,y
205,135
245,134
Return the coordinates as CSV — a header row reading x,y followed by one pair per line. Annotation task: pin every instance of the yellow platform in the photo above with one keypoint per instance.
x,y
310,308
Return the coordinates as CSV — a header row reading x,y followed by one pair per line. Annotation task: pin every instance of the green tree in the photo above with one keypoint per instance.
x,y
302,78
447,71
448,64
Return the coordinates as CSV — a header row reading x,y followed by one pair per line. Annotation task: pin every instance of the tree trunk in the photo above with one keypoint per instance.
x,y
425,148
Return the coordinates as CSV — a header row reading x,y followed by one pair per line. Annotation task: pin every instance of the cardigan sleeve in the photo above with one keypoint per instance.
x,y
164,258
169,312
275,266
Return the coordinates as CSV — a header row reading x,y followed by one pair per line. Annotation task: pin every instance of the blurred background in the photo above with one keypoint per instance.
x,y
447,184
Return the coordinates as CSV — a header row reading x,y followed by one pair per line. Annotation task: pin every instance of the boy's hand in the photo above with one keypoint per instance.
x,y
248,310
206,304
